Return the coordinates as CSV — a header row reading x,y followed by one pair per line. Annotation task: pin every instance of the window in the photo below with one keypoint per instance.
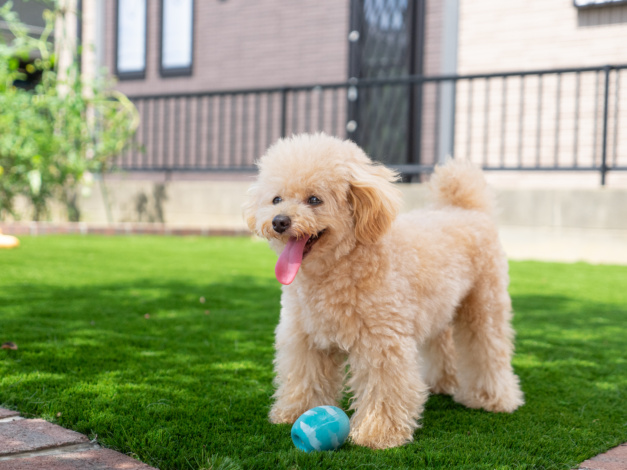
x,y
130,62
177,37
598,3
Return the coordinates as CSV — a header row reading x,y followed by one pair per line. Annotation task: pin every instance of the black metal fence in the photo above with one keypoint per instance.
x,y
544,120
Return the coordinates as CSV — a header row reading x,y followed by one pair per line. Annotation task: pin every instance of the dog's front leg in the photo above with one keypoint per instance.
x,y
389,393
306,376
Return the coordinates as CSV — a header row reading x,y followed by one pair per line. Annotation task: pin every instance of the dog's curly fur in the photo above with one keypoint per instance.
x,y
415,303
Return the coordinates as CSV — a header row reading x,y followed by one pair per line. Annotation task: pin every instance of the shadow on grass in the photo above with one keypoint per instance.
x,y
125,362
562,328
153,371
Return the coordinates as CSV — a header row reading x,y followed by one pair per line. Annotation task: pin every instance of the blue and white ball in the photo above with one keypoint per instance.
x,y
321,428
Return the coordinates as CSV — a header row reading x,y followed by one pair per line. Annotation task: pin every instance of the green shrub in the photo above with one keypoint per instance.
x,y
54,136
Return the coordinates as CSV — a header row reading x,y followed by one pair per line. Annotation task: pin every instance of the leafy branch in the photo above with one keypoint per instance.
x,y
53,136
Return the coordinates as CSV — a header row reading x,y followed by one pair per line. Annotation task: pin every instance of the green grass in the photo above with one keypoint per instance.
x,y
187,389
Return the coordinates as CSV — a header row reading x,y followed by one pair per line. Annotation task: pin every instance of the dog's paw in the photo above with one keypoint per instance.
x,y
507,401
445,386
280,414
380,434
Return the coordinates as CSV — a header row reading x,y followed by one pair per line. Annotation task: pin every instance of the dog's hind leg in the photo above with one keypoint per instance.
x,y
306,377
484,344
438,365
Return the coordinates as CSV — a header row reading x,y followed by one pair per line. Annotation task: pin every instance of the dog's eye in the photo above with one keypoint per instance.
x,y
276,200
314,201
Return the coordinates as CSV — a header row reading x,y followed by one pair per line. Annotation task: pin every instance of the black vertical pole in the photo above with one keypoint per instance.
x,y
354,48
284,111
416,67
606,95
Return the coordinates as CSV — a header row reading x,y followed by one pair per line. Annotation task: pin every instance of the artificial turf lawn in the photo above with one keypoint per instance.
x,y
190,386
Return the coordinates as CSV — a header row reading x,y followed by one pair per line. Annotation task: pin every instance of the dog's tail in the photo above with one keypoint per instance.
x,y
461,184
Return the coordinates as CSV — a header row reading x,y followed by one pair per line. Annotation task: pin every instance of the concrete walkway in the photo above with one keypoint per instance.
x,y
35,444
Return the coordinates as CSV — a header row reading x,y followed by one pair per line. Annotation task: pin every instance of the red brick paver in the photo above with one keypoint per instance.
x,y
35,444
613,459
7,413
100,459
52,228
20,441
28,435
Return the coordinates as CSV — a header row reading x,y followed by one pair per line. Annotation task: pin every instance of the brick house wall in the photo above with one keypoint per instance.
x,y
266,43
534,34
433,37
240,44
522,35
244,44
273,43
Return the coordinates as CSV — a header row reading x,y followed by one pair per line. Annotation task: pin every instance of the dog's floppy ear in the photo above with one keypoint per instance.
x,y
374,199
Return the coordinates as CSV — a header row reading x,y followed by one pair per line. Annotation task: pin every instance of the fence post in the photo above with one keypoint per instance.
x,y
606,93
284,92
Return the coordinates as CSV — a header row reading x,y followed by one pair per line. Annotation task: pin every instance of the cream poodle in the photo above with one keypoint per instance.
x,y
412,303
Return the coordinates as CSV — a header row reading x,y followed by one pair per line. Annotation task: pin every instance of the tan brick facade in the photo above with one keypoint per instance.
x,y
240,44
496,35
266,43
272,43
244,44
559,120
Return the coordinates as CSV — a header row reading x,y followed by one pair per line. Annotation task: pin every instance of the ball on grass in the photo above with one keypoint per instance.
x,y
321,428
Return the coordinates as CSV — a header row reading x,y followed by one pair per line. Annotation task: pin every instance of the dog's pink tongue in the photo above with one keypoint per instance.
x,y
290,259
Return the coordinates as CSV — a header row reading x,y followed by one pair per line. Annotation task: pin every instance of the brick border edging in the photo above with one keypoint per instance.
x,y
83,228
33,453
36,444
5,414
613,459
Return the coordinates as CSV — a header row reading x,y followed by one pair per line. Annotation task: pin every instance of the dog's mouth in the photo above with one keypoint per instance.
x,y
292,256
312,241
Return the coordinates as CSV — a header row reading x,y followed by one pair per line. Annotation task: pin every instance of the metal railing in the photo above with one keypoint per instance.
x,y
543,120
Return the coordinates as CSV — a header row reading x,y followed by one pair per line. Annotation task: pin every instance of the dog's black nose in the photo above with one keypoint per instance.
x,y
281,223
